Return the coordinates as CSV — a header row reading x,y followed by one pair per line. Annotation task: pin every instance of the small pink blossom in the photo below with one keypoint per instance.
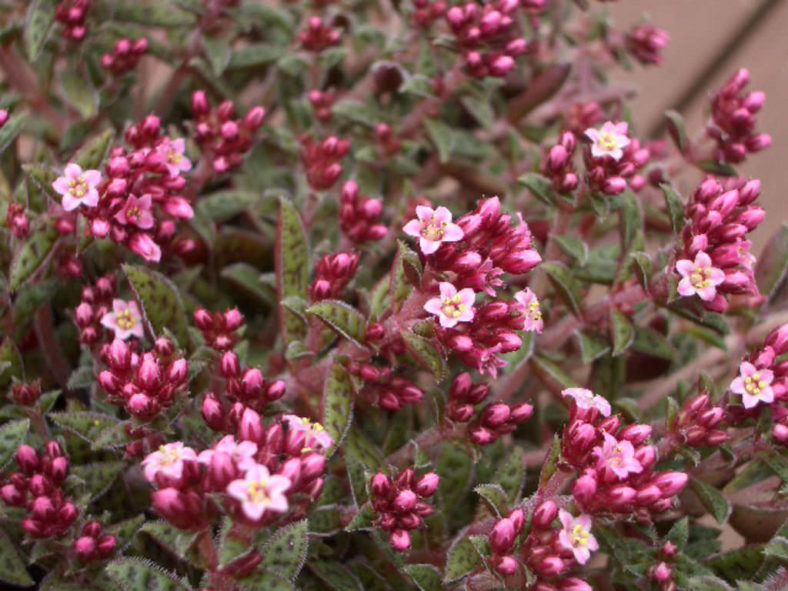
x,y
433,227
172,152
144,246
316,436
608,141
243,453
576,536
452,306
124,319
259,492
532,311
137,212
617,457
167,460
78,187
587,400
753,385
699,277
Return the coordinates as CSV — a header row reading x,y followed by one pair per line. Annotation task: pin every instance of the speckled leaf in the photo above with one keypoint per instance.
x,y
337,405
511,474
494,496
86,425
285,552
425,576
455,468
112,437
223,205
40,15
153,13
342,318
92,154
248,279
426,354
441,136
772,265
461,560
265,581
30,257
254,56
336,576
362,520
12,569
550,465
98,476
11,129
676,129
10,362
160,303
591,347
539,187
622,332
565,285
231,547
574,247
125,530
674,207
135,574
712,499
292,267
405,272
175,540
551,375
11,437
708,583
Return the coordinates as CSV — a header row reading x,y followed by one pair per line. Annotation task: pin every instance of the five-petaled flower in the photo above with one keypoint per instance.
x,y
587,400
432,227
167,460
172,152
124,320
576,536
699,277
452,306
259,492
137,212
610,140
753,385
78,187
532,312
243,453
316,438
617,457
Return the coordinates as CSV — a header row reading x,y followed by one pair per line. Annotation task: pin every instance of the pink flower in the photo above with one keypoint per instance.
x,y
316,436
78,187
125,320
533,313
617,457
144,246
243,453
259,492
699,277
608,141
576,536
433,227
168,460
753,385
137,212
172,154
586,400
452,306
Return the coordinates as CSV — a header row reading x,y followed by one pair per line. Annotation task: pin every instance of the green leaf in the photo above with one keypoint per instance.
x,y
574,247
263,580
11,437
539,187
92,154
718,168
777,547
455,468
231,548
425,576
591,347
511,474
772,265
707,583
550,465
441,136
111,438
342,318
622,332
494,496
11,129
12,569
551,375
154,14
362,520
565,285
676,129
136,574
247,278
255,56
224,205
481,109
160,303
336,576
426,354
286,550
712,499
674,206
31,256
80,93
218,51
10,363
631,219
460,561
176,541
124,531
98,476
405,271
40,16
337,405
679,533
292,267
85,424
649,341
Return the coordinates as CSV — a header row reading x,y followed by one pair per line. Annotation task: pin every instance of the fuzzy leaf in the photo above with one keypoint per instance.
x,y
708,583
135,574
12,569
455,469
337,405
676,129
622,332
461,560
40,16
160,303
292,267
342,318
649,341
336,576
551,375
86,425
565,284
263,580
98,476
494,496
286,550
231,547
175,540
405,271
154,14
441,136
11,129
511,474
591,347
11,437
550,465
712,499
539,187
31,256
10,363
92,154
224,205
425,576
574,247
674,206
249,280
124,531
772,265
362,520
80,93
426,354
254,56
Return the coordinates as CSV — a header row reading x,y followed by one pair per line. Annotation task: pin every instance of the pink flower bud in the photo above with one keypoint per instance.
x,y
254,118
405,500
636,434
250,427
502,536
671,482
12,496
84,547
427,484
106,545
27,458
495,415
575,584
380,485
312,465
400,540
544,515
507,565
549,566
178,371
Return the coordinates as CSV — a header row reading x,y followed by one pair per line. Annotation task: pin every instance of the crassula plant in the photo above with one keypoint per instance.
x,y
380,296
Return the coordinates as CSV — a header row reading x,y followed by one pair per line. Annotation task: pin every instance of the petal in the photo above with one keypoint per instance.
x,y
108,321
179,145
592,134
616,153
428,246
91,199
685,267
702,260
452,233
716,276
442,214
686,288
767,395
70,203
593,545
72,170
566,518
707,293
92,177
582,555
598,152
61,185
412,228
767,375
447,322
238,489
278,503
447,290
424,212
749,401
434,306
466,315
253,511
145,220
737,386
747,369
467,296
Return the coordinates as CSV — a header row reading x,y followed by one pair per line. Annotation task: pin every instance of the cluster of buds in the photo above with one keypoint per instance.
x,y
72,14
488,36
37,488
733,119
219,329
464,395
613,159
124,56
322,160
144,383
558,167
318,35
581,116
100,314
16,219
322,101
263,474
244,385
332,274
381,387
496,420
388,142
617,465
645,43
426,12
400,503
358,215
696,425
549,552
714,257
26,394
92,544
222,138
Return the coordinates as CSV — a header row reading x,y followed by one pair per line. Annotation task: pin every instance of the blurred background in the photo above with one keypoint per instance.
x,y
709,40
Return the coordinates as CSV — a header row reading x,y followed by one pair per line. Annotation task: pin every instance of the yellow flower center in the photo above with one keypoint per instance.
x,y
452,307
258,492
534,311
580,535
699,278
433,230
125,319
608,141
173,157
133,213
754,384
169,455
78,186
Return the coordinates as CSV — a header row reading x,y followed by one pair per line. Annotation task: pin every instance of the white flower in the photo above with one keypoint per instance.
x,y
753,385
433,227
124,320
452,306
78,187
533,313
576,536
608,141
167,460
587,400
259,492
699,277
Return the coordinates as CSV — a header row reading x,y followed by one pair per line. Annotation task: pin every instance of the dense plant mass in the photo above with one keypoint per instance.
x,y
378,295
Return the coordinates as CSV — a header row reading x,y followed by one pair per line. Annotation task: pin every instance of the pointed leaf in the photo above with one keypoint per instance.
x,y
12,569
337,405
11,437
98,476
441,136
336,576
12,128
40,16
574,247
712,499
175,540
285,552
674,206
31,256
292,267
460,561
160,303
135,574
405,272
93,152
511,474
539,187
425,576
86,425
622,332
772,265
494,496
677,130
231,547
565,285
551,375
342,318
224,205
426,353
124,531
265,581
591,347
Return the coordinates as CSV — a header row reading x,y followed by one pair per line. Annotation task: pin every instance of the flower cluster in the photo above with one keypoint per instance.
x,y
358,215
558,165
332,273
26,394
380,386
698,423
219,329
645,43
16,220
613,159
124,55
322,160
400,503
94,307
92,544
318,36
714,259
37,488
72,14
